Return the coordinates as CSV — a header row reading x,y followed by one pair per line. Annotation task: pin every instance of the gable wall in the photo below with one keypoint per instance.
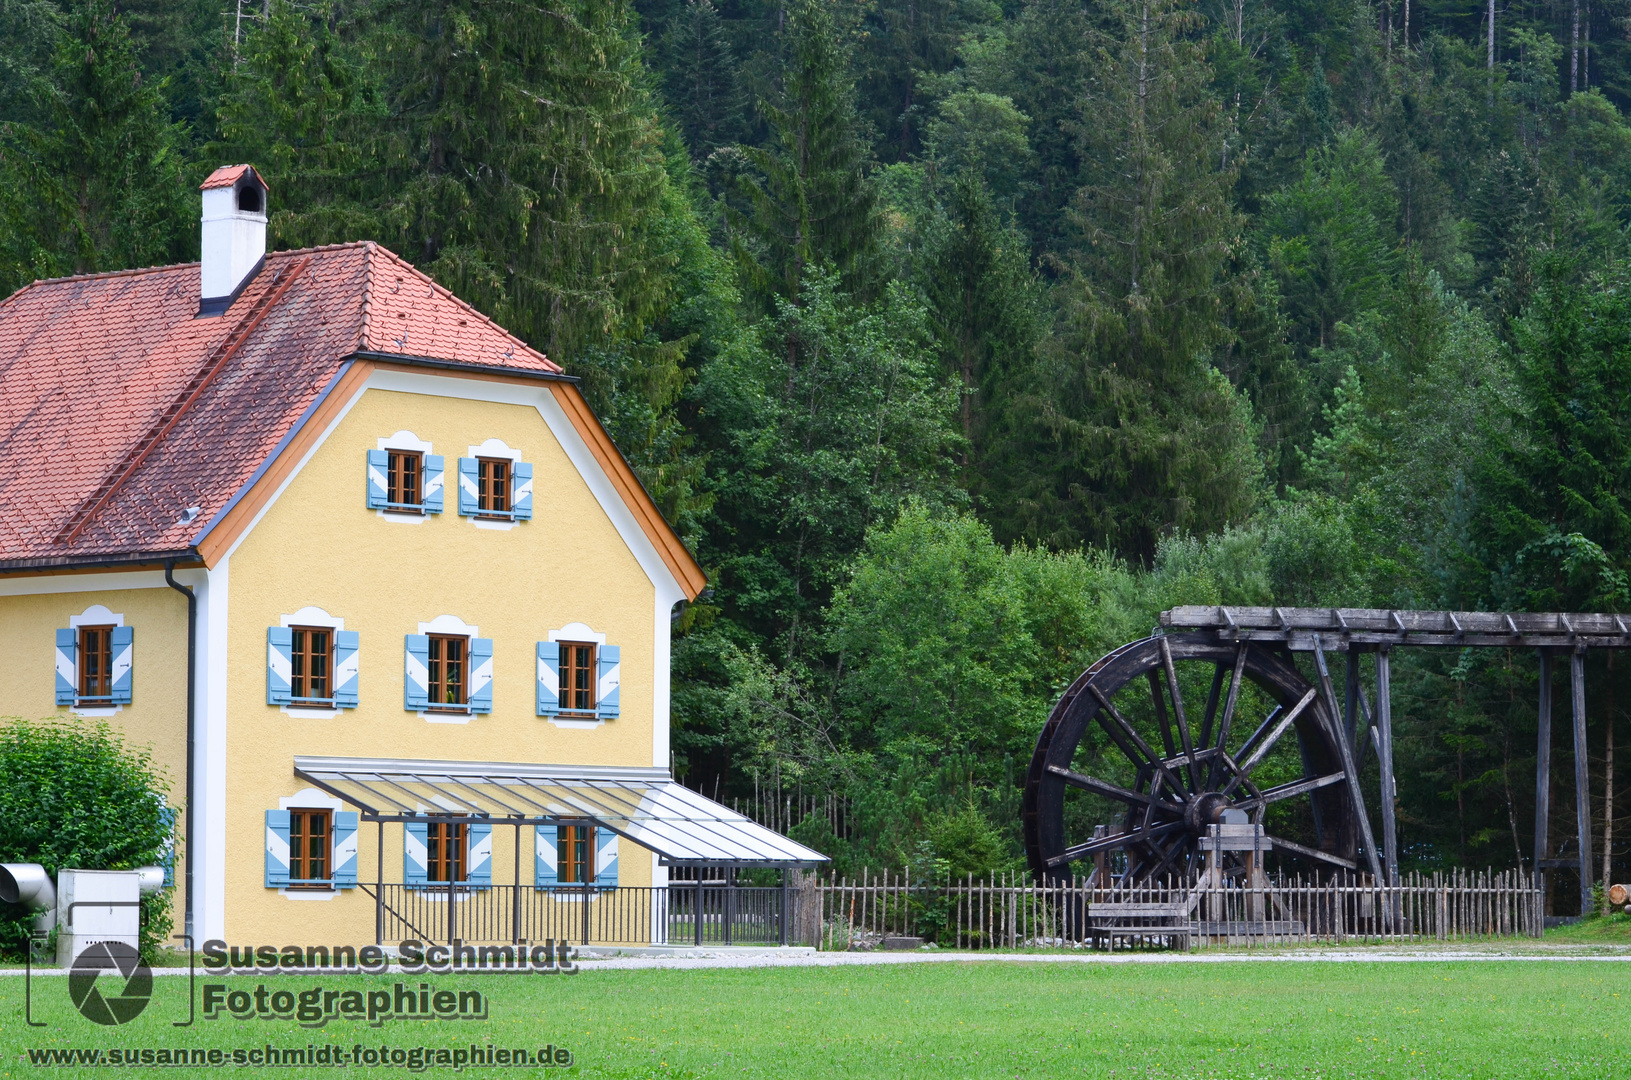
x,y
318,545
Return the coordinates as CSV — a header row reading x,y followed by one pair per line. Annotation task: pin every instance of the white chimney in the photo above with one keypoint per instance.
x,y
234,235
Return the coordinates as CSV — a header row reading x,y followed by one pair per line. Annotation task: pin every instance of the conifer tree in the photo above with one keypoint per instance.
x,y
95,183
812,203
702,89
1128,432
983,303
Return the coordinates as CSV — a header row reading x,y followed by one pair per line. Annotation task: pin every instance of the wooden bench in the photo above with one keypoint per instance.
x,y
1109,921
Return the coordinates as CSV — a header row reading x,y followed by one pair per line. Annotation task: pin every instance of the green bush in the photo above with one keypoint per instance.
x,y
78,796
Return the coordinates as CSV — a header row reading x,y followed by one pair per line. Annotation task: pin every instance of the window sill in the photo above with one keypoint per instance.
x,y
575,721
95,707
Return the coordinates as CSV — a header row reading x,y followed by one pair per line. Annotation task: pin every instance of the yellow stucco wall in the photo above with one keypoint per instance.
x,y
155,719
318,545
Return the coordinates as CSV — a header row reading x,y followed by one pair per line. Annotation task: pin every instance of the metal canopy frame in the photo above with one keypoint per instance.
x,y
1379,630
646,806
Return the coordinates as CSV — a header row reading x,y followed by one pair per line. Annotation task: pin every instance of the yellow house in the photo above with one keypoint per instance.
x,y
373,582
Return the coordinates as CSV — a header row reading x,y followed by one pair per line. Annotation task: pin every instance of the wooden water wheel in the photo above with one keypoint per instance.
x,y
1127,748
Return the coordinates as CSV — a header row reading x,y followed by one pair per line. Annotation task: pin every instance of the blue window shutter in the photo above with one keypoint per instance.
x,y
379,463
479,858
346,643
549,678
415,844
67,666
416,677
521,493
469,492
123,640
169,815
345,849
546,856
481,675
277,848
435,465
609,661
279,664
605,858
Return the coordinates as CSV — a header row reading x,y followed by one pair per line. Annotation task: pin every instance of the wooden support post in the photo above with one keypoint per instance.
x,y
1543,776
1384,725
1350,715
1582,782
1345,750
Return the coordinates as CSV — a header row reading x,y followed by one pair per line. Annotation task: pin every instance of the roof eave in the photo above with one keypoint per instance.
x,y
462,365
120,561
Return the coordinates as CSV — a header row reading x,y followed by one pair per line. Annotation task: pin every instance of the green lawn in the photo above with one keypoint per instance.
x,y
988,1019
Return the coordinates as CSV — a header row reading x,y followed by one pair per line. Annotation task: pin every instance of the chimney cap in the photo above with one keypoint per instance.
x,y
229,175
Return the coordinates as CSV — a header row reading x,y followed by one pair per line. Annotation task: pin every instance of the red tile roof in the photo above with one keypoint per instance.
x,y
226,176
119,409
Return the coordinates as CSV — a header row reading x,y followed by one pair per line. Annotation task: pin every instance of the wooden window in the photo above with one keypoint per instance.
x,y
492,485
309,845
402,486
577,677
447,670
95,661
444,851
309,658
574,854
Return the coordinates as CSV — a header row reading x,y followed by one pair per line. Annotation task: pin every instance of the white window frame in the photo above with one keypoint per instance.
x,y
314,616
95,615
452,626
312,799
406,440
580,632
497,448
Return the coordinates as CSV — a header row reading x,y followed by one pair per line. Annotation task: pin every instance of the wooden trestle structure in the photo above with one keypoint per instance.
x,y
1194,786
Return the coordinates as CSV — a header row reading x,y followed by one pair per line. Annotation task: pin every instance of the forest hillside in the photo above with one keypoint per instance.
x,y
960,337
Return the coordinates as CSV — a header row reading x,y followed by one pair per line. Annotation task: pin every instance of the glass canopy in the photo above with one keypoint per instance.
x,y
645,805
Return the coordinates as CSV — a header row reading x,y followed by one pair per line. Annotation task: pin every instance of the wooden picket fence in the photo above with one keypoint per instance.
x,y
1013,912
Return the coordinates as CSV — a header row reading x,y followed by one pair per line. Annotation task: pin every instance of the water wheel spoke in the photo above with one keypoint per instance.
x,y
1310,853
1211,713
1291,790
1114,791
1241,778
1119,840
1180,844
1133,739
1262,729
1229,703
1268,741
1160,700
1179,715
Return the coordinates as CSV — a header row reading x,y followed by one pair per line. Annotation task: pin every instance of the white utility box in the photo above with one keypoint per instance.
x,y
97,905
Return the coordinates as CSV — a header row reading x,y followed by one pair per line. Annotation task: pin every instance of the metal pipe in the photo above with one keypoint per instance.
x,y
192,732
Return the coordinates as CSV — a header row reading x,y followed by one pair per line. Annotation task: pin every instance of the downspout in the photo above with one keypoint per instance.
x,y
192,661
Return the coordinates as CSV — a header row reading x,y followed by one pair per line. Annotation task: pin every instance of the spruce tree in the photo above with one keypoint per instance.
x,y
700,81
983,302
1128,432
95,182
811,201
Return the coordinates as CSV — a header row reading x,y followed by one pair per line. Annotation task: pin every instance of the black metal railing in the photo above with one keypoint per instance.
x,y
636,915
